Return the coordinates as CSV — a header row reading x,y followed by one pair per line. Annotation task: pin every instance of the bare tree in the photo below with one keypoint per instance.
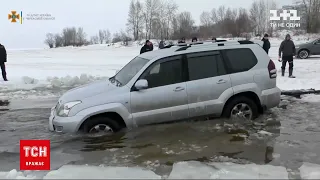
x,y
311,11
262,17
116,37
135,18
228,23
107,35
69,36
254,13
73,35
171,9
221,13
243,23
184,25
214,16
50,40
205,19
102,36
124,38
161,21
58,39
206,24
80,37
151,9
270,6
259,16
94,39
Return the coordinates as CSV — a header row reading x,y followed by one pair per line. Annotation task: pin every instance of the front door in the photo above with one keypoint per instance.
x,y
315,49
165,99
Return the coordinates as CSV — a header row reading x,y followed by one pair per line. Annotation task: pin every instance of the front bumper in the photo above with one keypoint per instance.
x,y
64,124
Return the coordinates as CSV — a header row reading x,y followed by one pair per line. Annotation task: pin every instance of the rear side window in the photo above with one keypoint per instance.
x,y
205,65
240,60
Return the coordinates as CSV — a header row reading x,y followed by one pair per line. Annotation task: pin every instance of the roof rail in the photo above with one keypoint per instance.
x,y
245,42
185,46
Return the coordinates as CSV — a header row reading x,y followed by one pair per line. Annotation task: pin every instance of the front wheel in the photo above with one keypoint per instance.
x,y
303,54
101,126
241,107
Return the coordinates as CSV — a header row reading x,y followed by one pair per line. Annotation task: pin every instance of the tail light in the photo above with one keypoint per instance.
x,y
272,70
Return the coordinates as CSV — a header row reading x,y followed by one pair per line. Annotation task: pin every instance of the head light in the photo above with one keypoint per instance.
x,y
64,109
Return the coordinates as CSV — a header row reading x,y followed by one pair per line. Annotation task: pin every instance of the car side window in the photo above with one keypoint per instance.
x,y
164,72
240,60
205,65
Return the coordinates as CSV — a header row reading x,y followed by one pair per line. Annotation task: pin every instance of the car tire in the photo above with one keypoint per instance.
x,y
111,126
235,102
303,54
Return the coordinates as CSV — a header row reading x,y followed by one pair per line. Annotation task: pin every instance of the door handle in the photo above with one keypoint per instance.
x,y
221,81
178,89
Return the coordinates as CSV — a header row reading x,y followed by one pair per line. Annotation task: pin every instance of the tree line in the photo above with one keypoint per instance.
x,y
160,19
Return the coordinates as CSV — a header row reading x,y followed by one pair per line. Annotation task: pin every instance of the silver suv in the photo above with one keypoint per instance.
x,y
229,79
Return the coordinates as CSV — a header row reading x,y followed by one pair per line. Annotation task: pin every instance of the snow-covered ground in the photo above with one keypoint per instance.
x,y
180,170
33,73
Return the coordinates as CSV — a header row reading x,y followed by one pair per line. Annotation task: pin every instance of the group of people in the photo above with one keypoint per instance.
x,y
148,46
3,60
287,49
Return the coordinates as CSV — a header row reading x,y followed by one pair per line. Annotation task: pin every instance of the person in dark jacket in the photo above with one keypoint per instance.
x,y
147,47
266,43
3,60
161,44
151,45
288,50
183,40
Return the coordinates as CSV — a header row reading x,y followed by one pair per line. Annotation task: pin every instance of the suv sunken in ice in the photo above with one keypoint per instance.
x,y
229,79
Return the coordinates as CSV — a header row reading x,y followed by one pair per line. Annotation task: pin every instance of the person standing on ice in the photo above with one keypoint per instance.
x,y
182,40
161,44
266,43
288,50
147,47
3,59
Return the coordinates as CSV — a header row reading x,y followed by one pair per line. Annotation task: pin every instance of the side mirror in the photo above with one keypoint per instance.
x,y
141,84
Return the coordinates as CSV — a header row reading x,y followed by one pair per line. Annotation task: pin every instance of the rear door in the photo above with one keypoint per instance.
x,y
207,83
239,62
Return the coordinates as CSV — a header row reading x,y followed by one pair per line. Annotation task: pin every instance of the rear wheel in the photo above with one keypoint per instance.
x,y
303,54
241,107
101,126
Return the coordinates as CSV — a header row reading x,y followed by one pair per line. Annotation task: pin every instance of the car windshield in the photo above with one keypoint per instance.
x,y
128,71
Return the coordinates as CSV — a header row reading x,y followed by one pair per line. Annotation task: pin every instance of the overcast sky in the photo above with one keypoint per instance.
x,y
92,15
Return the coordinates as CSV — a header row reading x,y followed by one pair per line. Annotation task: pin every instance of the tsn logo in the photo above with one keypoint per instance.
x,y
34,154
